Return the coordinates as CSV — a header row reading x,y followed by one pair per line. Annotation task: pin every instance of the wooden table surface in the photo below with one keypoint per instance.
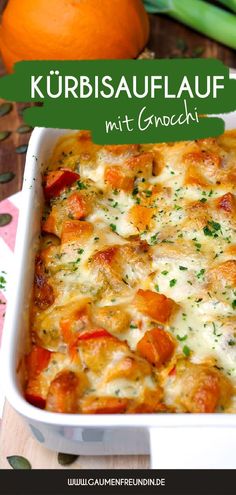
x,y
167,36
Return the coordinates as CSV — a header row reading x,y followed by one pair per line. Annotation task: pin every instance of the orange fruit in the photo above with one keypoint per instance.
x,y
72,30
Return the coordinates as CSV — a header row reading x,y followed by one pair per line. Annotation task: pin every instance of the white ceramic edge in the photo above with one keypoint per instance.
x,y
11,323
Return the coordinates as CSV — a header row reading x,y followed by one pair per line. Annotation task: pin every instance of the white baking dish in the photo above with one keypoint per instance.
x,y
174,440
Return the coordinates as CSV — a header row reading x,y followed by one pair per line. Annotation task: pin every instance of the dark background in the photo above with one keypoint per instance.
x,y
168,39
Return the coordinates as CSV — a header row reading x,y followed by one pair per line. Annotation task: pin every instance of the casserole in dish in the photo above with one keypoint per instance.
x,y
134,296
128,433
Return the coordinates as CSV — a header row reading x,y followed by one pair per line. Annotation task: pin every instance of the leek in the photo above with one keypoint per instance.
x,y
214,22
231,4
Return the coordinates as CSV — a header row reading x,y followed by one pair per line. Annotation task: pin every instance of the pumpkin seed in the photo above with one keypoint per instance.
x,y
5,219
21,111
66,459
6,177
22,148
198,51
181,45
4,135
23,129
19,462
5,108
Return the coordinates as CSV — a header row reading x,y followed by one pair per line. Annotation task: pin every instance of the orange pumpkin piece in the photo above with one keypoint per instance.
x,y
141,165
116,177
156,346
78,206
76,230
103,405
49,226
141,216
155,305
72,30
56,181
37,360
63,393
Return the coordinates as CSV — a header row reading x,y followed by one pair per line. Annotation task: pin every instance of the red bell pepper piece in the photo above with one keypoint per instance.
x,y
36,400
58,180
94,333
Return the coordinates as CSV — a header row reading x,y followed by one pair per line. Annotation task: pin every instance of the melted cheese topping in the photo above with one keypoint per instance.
x,y
169,213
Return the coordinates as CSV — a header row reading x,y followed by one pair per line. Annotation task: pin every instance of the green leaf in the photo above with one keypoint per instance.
x,y
186,351
22,148
4,135
19,462
5,108
66,459
23,129
6,177
5,219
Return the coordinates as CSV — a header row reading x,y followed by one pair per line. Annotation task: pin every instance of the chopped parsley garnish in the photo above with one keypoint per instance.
x,y
181,339
173,282
200,273
113,227
186,351
148,193
156,287
2,282
135,191
153,238
214,330
212,228
177,207
80,251
203,200
232,342
234,304
198,246
81,185
165,272
133,326
182,268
